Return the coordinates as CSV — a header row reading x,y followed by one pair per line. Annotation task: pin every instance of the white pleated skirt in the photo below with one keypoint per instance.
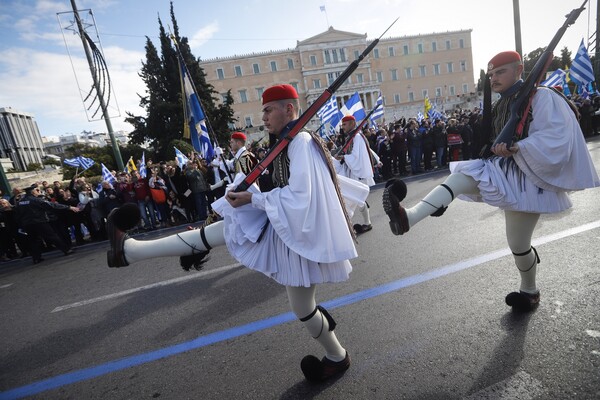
x,y
252,241
509,188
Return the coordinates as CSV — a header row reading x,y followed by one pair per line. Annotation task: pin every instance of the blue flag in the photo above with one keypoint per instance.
x,y
79,162
329,110
107,175
378,113
354,107
556,79
181,158
196,118
581,71
143,172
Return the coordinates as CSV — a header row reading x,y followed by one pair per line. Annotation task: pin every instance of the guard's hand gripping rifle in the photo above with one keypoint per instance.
x,y
520,107
344,149
292,129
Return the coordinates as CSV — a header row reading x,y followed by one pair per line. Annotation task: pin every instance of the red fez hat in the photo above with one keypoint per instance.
x,y
279,92
238,136
348,118
506,57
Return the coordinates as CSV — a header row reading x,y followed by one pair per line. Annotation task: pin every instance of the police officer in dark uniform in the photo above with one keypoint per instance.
x,y
32,216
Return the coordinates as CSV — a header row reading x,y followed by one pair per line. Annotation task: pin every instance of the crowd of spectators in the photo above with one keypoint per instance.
x,y
169,195
173,195
411,146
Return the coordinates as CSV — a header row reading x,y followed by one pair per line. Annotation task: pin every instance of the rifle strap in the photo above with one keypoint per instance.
x,y
320,145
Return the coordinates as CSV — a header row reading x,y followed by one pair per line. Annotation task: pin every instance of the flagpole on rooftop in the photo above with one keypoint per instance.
x,y
99,92
323,9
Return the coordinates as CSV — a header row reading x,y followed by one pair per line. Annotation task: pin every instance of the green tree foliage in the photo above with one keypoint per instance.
x,y
565,58
163,101
530,59
34,166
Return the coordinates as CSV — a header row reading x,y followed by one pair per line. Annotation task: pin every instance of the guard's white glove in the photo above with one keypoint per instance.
x,y
215,163
219,151
216,185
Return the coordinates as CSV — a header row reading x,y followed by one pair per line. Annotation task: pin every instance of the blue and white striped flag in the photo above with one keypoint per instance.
x,y
378,113
79,162
143,172
328,110
197,119
354,107
435,114
420,116
107,175
581,71
556,79
181,158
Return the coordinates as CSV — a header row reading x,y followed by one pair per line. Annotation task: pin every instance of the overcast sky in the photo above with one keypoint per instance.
x,y
37,77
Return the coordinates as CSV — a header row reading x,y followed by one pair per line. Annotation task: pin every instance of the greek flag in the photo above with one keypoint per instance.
x,y
378,113
354,107
420,116
329,110
143,172
435,114
556,79
196,118
107,175
581,71
79,162
181,158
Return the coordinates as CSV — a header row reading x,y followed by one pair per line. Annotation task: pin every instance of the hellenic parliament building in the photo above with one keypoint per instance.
x,y
404,70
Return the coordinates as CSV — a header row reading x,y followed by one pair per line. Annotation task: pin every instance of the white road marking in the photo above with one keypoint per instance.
x,y
141,288
500,253
520,386
593,333
5,286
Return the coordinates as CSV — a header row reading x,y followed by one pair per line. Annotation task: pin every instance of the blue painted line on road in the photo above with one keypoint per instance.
x,y
216,337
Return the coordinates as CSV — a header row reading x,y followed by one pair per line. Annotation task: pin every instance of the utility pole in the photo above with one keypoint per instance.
x,y
517,19
100,93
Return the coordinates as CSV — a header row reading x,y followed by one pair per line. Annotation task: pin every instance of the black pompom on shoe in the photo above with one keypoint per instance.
x,y
397,187
126,217
316,370
195,260
523,302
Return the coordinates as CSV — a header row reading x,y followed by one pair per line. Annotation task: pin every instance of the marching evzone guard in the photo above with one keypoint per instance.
x,y
243,160
527,179
297,234
356,164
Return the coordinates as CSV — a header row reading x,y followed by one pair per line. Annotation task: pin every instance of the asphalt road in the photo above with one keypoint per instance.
x,y
423,317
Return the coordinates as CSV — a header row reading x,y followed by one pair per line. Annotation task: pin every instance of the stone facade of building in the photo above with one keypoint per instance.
x,y
20,138
404,70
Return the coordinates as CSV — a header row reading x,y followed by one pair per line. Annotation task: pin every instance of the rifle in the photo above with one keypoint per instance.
x,y
520,107
294,127
351,135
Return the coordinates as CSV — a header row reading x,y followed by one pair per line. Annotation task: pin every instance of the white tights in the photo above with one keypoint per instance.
x,y
519,225
181,244
302,299
364,212
302,302
519,230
